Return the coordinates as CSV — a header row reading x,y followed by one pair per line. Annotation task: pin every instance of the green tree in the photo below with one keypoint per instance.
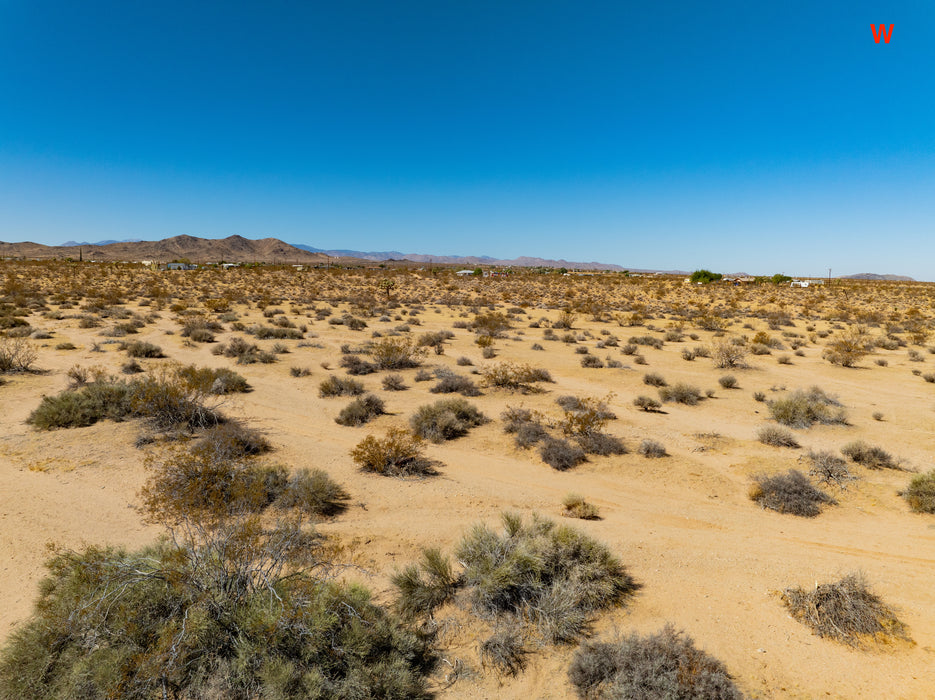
x,y
704,276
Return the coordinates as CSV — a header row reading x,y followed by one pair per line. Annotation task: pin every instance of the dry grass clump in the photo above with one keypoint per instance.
x,y
846,611
361,410
776,436
789,493
446,419
515,376
575,506
869,456
17,355
340,386
537,578
525,426
801,409
356,365
662,666
398,453
394,382
920,494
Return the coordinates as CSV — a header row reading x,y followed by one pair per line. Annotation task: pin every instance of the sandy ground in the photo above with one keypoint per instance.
x,y
708,559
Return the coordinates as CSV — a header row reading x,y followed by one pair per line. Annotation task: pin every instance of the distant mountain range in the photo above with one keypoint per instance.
x,y
273,250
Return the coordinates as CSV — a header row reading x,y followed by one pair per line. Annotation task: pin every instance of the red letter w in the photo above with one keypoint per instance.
x,y
882,34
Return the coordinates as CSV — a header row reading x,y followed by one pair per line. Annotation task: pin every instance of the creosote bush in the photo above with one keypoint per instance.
x,y
802,409
446,419
846,611
398,453
652,449
397,353
16,355
662,666
789,493
647,403
681,393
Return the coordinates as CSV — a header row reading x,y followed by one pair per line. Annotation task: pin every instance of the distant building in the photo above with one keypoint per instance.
x,y
181,266
464,273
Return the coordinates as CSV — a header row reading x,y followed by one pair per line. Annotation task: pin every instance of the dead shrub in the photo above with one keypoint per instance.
x,y
790,493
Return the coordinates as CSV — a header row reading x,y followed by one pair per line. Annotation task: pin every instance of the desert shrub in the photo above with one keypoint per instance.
x,y
575,506
16,355
340,386
356,365
446,419
654,379
583,416
869,456
728,381
464,362
681,393
426,585
396,353
276,332
759,396
131,367
789,493
647,403
846,611
451,383
601,444
553,577
239,349
801,409
920,494
423,375
361,410
83,406
212,380
592,362
232,440
504,650
688,355
399,453
776,436
65,346
313,492
652,449
828,468
229,616
525,426
849,348
727,355
647,340
394,382
299,372
561,454
491,324
654,667
513,376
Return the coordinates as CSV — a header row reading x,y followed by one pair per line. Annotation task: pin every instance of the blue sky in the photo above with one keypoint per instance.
x,y
763,137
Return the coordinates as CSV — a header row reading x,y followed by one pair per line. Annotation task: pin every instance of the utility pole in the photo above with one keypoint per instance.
x,y
829,276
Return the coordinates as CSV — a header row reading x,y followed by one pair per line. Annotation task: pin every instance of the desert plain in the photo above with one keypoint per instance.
x,y
707,559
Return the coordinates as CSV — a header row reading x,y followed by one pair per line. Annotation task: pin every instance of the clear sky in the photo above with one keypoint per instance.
x,y
756,136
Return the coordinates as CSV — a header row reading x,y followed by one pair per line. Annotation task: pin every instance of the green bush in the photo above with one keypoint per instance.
x,y
223,618
662,666
538,576
399,453
704,276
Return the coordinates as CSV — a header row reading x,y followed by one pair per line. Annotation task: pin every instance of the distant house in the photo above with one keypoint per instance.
x,y
464,273
181,266
799,283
